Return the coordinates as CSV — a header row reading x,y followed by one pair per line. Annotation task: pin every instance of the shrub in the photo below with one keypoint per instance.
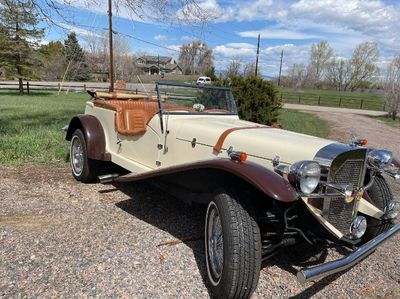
x,y
257,99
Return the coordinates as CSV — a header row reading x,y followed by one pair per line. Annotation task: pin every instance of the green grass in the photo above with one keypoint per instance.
x,y
389,121
303,122
332,98
30,125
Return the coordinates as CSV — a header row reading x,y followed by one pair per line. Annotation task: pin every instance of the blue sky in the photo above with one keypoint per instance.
x,y
232,29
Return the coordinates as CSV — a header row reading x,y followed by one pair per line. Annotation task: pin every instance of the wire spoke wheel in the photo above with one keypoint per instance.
x,y
215,245
77,158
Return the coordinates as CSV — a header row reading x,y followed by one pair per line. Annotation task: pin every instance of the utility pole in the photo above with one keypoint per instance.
x,y
110,33
258,52
280,70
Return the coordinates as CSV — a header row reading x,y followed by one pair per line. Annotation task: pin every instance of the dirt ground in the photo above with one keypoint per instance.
x,y
60,238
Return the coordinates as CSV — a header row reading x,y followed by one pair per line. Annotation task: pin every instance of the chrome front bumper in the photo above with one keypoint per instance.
x,y
323,270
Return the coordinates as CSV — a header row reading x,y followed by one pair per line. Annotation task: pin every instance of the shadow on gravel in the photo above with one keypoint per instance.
x,y
186,224
300,256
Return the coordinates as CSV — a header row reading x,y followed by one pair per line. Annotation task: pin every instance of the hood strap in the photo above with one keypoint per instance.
x,y
221,139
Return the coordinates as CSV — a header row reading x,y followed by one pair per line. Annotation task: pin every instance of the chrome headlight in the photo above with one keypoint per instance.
x,y
305,176
379,158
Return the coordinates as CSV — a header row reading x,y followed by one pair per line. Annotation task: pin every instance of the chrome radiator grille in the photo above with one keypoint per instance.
x,y
336,210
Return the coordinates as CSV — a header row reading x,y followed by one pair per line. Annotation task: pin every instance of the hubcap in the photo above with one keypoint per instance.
x,y
215,243
76,155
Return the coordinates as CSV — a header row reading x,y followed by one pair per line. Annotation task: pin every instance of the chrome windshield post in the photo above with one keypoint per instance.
x,y
160,107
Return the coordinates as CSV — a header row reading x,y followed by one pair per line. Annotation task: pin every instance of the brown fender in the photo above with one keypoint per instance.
x,y
267,181
94,136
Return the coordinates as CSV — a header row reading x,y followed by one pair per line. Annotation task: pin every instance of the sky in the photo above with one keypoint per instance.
x,y
232,27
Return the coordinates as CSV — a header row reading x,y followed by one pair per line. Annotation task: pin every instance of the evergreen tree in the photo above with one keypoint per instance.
x,y
77,68
19,38
256,98
53,60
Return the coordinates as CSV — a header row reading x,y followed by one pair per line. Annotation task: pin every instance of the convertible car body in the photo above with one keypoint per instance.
x,y
265,187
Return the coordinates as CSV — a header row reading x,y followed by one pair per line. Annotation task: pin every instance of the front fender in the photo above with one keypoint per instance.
x,y
94,136
267,181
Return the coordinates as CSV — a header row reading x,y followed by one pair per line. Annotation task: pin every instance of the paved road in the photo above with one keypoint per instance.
x,y
333,109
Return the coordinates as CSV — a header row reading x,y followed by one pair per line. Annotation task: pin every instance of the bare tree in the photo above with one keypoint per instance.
x,y
195,58
156,10
249,69
349,74
392,87
338,73
320,55
234,68
98,56
363,64
297,75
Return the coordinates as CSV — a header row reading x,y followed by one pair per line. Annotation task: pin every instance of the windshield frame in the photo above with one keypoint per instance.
x,y
230,101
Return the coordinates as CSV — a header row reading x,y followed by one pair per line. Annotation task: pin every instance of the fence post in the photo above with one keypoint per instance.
x,y
319,101
84,87
361,105
27,86
299,99
384,106
340,102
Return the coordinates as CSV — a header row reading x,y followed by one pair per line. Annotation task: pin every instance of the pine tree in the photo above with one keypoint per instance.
x,y
77,68
19,38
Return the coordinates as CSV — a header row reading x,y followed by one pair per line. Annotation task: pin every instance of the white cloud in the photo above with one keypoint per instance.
x,y
232,50
371,18
160,37
271,33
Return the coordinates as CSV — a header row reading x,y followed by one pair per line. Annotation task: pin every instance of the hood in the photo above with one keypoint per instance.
x,y
260,143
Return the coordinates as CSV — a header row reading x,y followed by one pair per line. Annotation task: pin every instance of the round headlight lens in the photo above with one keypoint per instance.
x,y
358,227
305,175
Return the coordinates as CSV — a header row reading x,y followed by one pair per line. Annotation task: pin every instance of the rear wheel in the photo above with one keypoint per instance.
x,y
83,168
380,195
233,246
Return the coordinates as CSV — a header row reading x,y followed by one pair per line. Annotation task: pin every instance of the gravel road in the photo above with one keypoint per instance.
x,y
60,238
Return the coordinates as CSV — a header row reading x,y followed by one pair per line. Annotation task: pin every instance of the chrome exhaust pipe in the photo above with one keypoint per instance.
x,y
321,271
108,178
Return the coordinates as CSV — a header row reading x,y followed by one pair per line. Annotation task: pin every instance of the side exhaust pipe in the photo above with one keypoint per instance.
x,y
108,178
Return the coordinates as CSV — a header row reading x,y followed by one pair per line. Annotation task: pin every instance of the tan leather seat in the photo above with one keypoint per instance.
x,y
132,116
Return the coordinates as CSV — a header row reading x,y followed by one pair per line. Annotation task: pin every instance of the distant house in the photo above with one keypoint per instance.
x,y
158,65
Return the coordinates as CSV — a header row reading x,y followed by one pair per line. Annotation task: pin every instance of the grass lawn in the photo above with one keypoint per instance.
x,y
332,98
30,125
389,121
303,122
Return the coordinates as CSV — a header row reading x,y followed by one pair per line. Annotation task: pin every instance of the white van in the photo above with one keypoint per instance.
x,y
204,80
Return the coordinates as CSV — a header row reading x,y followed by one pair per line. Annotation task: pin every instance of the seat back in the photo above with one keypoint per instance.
x,y
131,117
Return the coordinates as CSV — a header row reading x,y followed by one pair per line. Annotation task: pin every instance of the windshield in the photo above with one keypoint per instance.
x,y
189,98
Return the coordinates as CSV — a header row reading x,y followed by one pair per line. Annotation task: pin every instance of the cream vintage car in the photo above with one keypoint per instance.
x,y
265,187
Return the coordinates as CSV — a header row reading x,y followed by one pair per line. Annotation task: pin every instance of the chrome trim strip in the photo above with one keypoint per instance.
x,y
321,271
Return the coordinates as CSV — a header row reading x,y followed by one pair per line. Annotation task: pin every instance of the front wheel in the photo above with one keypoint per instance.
x,y
233,246
381,196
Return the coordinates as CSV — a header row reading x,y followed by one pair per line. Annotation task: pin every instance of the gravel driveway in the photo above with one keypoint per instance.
x,y
60,238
